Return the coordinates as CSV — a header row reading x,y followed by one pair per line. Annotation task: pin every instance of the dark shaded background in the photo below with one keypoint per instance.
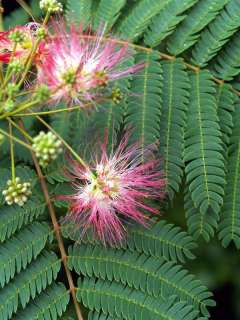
x,y
218,268
9,5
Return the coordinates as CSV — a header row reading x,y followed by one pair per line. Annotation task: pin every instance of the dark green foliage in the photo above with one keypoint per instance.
x,y
203,156
196,123
217,34
28,284
198,17
21,249
61,124
153,276
119,300
79,12
50,304
19,16
139,17
101,316
230,220
173,120
162,240
13,218
225,108
227,63
107,12
166,21
144,103
108,117
200,224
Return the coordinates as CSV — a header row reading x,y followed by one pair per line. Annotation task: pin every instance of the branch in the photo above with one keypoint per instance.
x,y
57,228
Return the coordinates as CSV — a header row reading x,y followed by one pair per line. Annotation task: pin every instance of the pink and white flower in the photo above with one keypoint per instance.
x,y
112,191
23,49
79,64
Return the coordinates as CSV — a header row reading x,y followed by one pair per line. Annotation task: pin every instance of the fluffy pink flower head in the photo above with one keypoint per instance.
x,y
23,48
79,65
112,191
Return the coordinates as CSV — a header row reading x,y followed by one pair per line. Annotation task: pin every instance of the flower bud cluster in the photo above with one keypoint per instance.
x,y
17,36
17,192
16,66
41,33
9,105
47,147
52,6
42,93
117,95
12,89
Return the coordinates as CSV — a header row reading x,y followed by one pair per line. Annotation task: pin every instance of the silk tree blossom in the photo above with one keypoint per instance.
x,y
114,190
18,43
80,65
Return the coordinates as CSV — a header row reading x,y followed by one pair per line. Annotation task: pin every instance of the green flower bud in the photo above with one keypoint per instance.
x,y
12,89
41,33
9,105
16,66
117,95
69,77
17,192
17,36
52,6
42,93
46,147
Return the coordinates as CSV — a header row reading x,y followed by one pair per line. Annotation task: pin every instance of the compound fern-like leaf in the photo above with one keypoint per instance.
x,y
230,221
217,34
17,252
227,63
203,156
173,120
144,103
107,13
139,17
28,284
79,11
166,21
14,217
200,224
50,304
188,32
154,276
118,300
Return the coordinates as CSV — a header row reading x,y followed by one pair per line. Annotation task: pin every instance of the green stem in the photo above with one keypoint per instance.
x,y
32,54
16,139
45,113
12,152
23,132
68,147
21,108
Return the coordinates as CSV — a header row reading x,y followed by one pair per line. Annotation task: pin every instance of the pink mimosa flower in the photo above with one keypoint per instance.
x,y
79,65
112,191
22,49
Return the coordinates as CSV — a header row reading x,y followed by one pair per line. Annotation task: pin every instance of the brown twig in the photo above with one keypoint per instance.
x,y
57,229
162,56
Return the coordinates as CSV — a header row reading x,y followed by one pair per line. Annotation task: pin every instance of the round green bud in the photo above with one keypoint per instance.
x,y
46,147
17,36
16,66
9,105
42,93
52,6
41,33
17,192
